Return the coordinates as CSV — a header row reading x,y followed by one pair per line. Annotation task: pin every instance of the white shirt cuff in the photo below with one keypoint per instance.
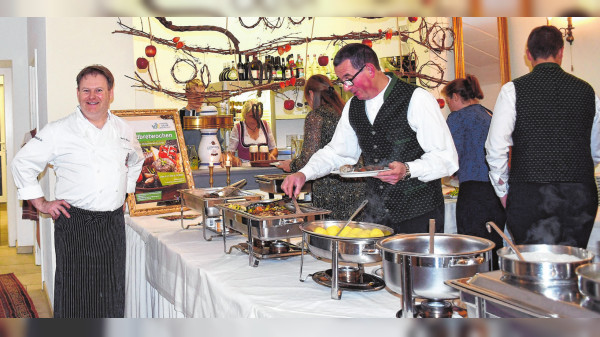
x,y
30,192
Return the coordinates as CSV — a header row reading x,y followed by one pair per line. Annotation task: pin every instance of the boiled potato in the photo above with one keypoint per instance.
x,y
345,231
376,232
320,230
333,230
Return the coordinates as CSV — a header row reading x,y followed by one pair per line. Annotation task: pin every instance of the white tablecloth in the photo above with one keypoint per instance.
x,y
174,272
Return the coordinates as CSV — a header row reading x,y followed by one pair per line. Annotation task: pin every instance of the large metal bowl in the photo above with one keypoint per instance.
x,y
353,250
588,278
455,256
544,274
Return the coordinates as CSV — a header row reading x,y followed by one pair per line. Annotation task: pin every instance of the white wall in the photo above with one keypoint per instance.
x,y
14,53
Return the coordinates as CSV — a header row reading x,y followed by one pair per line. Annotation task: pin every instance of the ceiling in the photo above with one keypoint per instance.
x,y
481,49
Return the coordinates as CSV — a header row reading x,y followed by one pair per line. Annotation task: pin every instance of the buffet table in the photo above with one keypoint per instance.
x,y
172,272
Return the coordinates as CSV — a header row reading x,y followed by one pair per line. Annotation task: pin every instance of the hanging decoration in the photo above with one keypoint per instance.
x,y
433,36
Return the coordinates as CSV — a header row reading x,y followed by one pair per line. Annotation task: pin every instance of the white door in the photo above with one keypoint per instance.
x,y
2,143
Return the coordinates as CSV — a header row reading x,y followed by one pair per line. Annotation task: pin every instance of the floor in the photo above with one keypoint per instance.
x,y
23,266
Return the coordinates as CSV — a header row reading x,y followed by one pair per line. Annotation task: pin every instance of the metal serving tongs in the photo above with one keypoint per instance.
x,y
364,203
230,189
490,224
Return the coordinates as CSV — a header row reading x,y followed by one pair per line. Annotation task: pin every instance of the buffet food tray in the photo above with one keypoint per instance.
x,y
487,296
269,227
196,200
271,183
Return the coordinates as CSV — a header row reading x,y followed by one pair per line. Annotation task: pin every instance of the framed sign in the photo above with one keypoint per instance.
x,y
166,169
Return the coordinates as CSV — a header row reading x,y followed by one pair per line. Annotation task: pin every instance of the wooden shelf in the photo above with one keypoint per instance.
x,y
291,116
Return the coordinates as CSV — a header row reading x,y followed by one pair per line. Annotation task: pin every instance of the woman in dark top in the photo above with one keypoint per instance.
x,y
469,123
341,196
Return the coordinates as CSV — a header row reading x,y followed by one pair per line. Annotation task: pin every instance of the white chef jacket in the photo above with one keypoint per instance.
x,y
424,117
499,137
94,167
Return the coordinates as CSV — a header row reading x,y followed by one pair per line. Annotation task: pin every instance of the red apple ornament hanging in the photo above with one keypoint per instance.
x,y
441,102
323,60
288,104
141,63
150,51
412,19
367,42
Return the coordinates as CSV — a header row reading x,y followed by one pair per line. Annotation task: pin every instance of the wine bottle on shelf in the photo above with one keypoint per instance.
x,y
289,62
315,65
240,68
232,74
278,69
246,68
284,70
299,67
255,68
267,68
273,71
308,68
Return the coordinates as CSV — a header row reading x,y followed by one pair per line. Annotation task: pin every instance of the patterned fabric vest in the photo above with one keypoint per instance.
x,y
389,139
551,139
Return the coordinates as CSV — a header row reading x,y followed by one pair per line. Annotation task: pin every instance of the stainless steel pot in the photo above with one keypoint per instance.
x,y
354,250
544,274
408,268
588,279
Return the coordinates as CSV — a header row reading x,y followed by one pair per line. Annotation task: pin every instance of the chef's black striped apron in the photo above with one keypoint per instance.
x,y
90,264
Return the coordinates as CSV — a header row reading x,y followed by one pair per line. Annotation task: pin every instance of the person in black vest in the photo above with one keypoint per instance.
x,y
551,120
392,124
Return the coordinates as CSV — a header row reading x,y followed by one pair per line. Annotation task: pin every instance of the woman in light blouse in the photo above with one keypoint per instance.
x,y
251,130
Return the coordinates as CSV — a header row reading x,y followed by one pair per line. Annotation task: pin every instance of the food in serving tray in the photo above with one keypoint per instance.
x,y
268,210
211,195
349,232
545,257
262,210
352,168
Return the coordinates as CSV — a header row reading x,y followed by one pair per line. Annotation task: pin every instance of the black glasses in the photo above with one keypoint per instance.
x,y
349,82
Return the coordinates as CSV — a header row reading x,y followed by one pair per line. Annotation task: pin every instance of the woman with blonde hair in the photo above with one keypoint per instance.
x,y
251,130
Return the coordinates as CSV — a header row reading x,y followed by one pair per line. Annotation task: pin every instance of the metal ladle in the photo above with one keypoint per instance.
x,y
364,203
491,224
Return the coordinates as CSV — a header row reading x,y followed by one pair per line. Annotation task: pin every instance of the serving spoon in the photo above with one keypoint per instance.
x,y
491,224
362,205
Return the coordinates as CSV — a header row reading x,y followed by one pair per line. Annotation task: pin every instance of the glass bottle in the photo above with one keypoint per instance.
x,y
193,157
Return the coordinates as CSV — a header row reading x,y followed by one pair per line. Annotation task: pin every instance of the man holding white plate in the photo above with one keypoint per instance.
x,y
395,125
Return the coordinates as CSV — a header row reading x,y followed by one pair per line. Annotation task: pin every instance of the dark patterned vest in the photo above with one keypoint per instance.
x,y
551,139
389,139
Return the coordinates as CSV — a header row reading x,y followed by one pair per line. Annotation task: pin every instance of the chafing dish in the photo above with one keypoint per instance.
x,y
271,183
195,199
553,279
588,278
268,228
486,295
409,268
342,249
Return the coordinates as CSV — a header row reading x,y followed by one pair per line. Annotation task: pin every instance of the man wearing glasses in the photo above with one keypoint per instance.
x,y
392,124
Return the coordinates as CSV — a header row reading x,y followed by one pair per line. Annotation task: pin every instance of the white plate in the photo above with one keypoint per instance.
x,y
274,163
359,174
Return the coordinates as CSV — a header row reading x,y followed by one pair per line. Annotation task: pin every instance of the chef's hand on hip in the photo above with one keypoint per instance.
x,y
54,208
395,174
293,183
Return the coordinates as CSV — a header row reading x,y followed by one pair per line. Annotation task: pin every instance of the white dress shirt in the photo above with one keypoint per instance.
x,y
94,167
500,137
424,117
